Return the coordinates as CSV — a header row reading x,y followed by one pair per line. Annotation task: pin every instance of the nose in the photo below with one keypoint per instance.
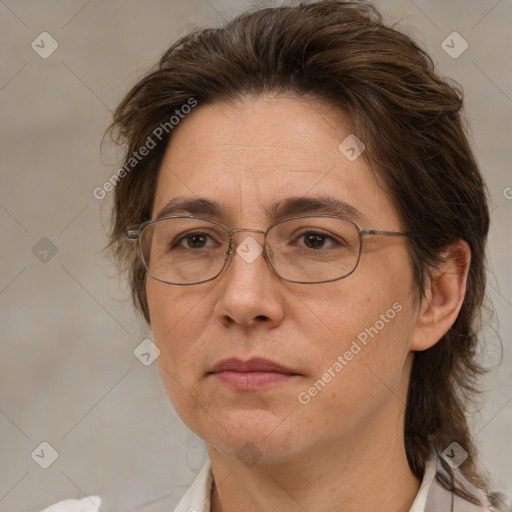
x,y
249,293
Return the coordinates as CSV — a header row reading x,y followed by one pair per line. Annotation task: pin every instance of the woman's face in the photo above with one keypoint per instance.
x,y
345,343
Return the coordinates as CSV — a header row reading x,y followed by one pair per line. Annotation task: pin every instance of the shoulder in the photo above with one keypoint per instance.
x,y
196,498
87,504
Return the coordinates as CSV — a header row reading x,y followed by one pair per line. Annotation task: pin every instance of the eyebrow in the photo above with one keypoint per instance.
x,y
288,207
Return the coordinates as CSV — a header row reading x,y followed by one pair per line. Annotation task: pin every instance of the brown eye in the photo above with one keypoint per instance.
x,y
317,240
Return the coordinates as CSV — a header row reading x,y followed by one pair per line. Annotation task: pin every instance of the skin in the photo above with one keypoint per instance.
x,y
344,450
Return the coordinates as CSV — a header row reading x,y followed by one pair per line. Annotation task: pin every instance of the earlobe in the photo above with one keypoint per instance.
x,y
443,297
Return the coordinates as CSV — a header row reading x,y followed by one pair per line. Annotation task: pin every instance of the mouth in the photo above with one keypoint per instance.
x,y
256,373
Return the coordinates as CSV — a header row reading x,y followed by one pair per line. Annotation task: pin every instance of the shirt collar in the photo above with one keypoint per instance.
x,y
197,497
431,497
429,477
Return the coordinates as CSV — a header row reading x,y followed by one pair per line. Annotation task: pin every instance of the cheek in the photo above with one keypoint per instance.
x,y
354,310
364,327
177,326
377,337
174,308
177,322
361,372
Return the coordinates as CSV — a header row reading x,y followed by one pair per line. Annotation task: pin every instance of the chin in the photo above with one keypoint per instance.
x,y
253,435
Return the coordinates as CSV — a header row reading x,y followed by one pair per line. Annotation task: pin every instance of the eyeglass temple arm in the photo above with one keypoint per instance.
x,y
367,232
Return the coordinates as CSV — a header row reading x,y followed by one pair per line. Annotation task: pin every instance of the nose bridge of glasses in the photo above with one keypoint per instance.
x,y
244,230
248,247
236,231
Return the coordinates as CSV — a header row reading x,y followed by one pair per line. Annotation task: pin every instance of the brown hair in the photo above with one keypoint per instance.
x,y
410,121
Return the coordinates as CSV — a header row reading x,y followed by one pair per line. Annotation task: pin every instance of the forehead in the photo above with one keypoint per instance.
x,y
249,157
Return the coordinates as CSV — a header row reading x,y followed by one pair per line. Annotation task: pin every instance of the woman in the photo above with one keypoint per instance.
x,y
304,225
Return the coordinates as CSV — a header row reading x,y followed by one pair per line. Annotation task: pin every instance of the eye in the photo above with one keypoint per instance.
x,y
192,240
317,240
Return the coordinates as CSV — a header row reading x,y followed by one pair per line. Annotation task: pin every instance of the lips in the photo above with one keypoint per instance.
x,y
256,364
253,374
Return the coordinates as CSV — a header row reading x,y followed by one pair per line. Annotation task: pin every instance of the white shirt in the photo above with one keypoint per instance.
x,y
431,497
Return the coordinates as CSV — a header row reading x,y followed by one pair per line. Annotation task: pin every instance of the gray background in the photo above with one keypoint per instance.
x,y
68,374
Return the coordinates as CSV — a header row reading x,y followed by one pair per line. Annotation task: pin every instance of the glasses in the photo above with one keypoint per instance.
x,y
306,249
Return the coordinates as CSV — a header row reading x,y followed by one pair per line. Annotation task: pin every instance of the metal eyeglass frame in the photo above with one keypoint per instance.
x,y
133,234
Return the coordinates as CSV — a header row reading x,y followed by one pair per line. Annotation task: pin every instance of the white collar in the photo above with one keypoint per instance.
x,y
429,476
197,497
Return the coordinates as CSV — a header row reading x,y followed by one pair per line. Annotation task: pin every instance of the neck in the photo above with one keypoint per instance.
x,y
367,473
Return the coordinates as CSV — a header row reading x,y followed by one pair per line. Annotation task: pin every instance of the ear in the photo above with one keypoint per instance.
x,y
443,297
